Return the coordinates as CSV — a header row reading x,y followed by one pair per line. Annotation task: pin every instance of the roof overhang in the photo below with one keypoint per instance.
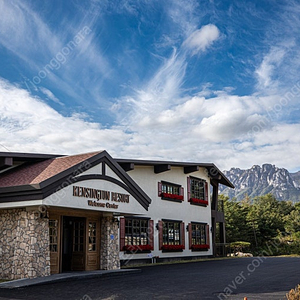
x,y
212,170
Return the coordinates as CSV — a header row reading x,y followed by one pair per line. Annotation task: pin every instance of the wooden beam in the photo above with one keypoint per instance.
x,y
161,168
6,162
127,166
190,169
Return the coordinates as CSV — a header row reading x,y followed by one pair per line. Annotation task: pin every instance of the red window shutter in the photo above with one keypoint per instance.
x,y
159,189
207,235
151,234
122,234
190,235
189,188
206,191
160,233
182,235
182,192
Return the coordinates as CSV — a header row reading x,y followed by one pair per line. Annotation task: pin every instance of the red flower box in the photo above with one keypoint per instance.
x,y
172,196
199,201
172,247
200,247
135,248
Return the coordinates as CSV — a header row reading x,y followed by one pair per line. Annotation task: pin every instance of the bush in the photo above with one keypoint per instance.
x,y
294,294
240,246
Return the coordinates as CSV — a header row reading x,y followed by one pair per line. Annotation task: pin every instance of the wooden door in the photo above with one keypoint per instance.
x,y
78,247
54,243
93,244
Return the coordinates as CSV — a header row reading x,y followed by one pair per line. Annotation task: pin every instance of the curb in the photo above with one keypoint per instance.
x,y
65,277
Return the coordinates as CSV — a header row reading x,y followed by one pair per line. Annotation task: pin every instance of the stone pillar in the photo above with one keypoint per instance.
x,y
24,244
109,250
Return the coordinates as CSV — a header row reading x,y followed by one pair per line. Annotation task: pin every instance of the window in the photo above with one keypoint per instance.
x,y
198,236
136,234
53,233
197,191
78,236
92,236
170,191
171,235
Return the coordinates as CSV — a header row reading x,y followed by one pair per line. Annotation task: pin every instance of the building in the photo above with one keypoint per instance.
x,y
91,211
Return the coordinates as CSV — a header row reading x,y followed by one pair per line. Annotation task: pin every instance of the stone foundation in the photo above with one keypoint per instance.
x,y
24,244
109,252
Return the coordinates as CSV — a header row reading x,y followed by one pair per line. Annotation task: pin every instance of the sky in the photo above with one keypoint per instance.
x,y
182,80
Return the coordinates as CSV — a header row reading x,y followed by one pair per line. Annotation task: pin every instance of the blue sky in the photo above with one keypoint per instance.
x,y
204,81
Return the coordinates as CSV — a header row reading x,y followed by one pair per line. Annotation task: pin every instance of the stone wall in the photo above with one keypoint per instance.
x,y
109,252
24,244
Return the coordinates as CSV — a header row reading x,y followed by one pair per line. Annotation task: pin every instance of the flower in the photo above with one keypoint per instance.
x,y
172,196
172,247
200,247
200,201
135,248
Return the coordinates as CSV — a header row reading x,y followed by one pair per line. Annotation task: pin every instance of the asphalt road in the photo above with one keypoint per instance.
x,y
256,278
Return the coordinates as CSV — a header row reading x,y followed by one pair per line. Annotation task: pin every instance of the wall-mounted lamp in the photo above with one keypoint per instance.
x,y
187,228
116,220
44,214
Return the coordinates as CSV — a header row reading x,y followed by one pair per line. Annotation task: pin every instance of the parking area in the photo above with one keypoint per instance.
x,y
254,278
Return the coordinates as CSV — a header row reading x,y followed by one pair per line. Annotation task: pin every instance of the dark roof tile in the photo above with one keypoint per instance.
x,y
39,172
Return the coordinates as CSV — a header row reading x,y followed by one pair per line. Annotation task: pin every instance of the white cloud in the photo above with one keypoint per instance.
x,y
50,95
202,38
30,125
266,69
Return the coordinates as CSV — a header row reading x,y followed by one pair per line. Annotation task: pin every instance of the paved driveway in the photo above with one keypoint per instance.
x,y
256,278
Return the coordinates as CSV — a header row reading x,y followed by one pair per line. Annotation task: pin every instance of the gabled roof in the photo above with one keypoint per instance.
x,y
37,180
35,173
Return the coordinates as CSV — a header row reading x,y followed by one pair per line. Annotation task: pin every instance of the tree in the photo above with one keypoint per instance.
x,y
235,220
267,218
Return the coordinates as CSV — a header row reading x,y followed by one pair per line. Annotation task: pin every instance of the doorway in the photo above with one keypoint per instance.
x,y
73,244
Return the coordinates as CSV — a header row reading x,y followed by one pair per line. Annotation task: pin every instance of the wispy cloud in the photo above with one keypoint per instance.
x,y
266,69
50,95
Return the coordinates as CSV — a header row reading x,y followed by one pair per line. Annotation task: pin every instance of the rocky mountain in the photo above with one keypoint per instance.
x,y
258,181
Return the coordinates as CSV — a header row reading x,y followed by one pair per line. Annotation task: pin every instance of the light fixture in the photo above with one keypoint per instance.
x,y
44,214
116,220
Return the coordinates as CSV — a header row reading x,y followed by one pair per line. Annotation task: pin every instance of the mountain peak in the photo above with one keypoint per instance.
x,y
261,180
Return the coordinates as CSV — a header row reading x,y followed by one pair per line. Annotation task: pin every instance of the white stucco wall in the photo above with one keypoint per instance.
x,y
160,209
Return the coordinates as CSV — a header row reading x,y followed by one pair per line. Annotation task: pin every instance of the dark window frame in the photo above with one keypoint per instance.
x,y
170,191
173,236
137,235
199,236
197,195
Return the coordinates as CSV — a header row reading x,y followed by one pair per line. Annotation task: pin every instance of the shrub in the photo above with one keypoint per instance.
x,y
240,246
294,294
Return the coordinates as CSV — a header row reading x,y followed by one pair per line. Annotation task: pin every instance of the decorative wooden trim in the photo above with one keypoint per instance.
x,y
122,233
6,162
159,189
207,235
190,169
161,168
160,234
182,233
151,233
190,234
127,166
